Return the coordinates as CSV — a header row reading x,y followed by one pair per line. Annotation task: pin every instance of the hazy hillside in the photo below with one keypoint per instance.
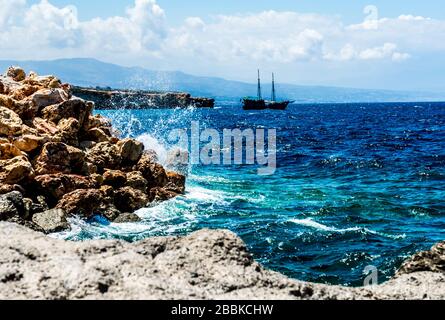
x,y
92,73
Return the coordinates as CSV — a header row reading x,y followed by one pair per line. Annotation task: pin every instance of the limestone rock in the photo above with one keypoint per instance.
x,y
136,180
74,108
159,194
432,260
45,127
10,122
104,155
16,73
28,142
97,135
8,151
130,150
153,172
114,178
83,202
127,217
51,221
59,158
128,199
48,97
15,170
176,182
11,204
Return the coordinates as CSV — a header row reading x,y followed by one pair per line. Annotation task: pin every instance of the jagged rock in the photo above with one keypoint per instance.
x,y
176,182
127,217
87,144
432,260
16,73
51,221
74,108
10,122
115,178
153,172
28,142
127,199
159,194
24,91
11,204
2,88
44,127
83,202
59,158
104,155
97,135
136,180
68,131
110,212
7,102
97,121
48,97
8,151
54,186
130,150
15,170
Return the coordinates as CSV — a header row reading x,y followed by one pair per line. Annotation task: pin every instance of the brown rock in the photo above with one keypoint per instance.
x,y
127,218
160,194
114,178
130,150
16,73
54,186
432,260
45,127
10,122
128,199
28,142
59,158
48,97
110,212
136,180
51,221
7,102
8,151
74,108
153,172
97,121
24,91
15,170
83,202
176,182
68,131
97,135
105,156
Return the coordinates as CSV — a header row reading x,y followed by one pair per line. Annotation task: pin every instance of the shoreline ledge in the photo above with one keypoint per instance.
x,y
207,264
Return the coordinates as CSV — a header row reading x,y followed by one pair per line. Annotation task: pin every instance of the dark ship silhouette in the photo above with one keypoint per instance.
x,y
259,103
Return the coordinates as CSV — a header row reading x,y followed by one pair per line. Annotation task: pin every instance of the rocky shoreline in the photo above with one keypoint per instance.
x,y
127,99
57,159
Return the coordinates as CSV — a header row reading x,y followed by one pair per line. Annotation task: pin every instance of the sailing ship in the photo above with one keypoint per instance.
x,y
259,103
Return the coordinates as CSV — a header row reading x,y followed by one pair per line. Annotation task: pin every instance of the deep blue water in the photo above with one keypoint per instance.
x,y
356,185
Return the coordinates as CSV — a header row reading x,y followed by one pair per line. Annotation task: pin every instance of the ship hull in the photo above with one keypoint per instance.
x,y
250,104
282,105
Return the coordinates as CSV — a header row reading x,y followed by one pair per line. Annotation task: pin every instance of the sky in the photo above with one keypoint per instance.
x,y
397,44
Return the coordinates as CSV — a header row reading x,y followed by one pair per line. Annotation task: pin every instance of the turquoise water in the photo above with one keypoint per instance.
x,y
356,185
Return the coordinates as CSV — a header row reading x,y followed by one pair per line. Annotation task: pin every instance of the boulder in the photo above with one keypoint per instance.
x,y
11,204
432,260
153,172
127,218
83,202
97,135
15,170
104,155
48,97
74,108
136,180
16,73
28,142
59,158
51,221
176,182
97,121
44,127
8,151
55,186
114,178
128,199
130,150
159,194
10,122
24,91
68,130
7,102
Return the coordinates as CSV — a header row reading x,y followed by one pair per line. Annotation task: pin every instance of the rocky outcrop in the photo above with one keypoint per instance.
x,y
57,159
432,260
208,264
116,99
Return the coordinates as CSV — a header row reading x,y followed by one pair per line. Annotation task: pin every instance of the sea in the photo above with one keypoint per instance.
x,y
356,185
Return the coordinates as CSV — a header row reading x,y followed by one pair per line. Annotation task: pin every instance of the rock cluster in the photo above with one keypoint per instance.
x,y
58,159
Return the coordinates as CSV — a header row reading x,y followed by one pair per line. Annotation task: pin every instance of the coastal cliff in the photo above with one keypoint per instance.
x,y
127,99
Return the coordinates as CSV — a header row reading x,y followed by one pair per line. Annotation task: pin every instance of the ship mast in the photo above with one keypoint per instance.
x,y
274,97
259,86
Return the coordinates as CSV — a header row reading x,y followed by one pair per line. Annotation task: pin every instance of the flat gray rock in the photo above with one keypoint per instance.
x,y
208,264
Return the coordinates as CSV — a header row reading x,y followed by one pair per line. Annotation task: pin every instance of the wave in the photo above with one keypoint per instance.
x,y
310,223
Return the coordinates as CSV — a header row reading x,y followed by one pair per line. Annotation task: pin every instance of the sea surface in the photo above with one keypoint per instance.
x,y
355,185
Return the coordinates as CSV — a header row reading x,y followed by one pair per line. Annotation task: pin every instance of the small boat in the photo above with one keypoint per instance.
x,y
259,103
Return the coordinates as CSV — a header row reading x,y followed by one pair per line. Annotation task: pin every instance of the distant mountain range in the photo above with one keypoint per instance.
x,y
94,73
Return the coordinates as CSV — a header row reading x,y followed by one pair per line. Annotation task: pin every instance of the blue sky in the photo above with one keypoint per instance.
x,y
394,45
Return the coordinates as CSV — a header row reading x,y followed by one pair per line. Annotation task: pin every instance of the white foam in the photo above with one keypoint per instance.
x,y
151,143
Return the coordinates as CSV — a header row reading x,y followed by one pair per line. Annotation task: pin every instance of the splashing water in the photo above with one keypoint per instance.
x,y
356,185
